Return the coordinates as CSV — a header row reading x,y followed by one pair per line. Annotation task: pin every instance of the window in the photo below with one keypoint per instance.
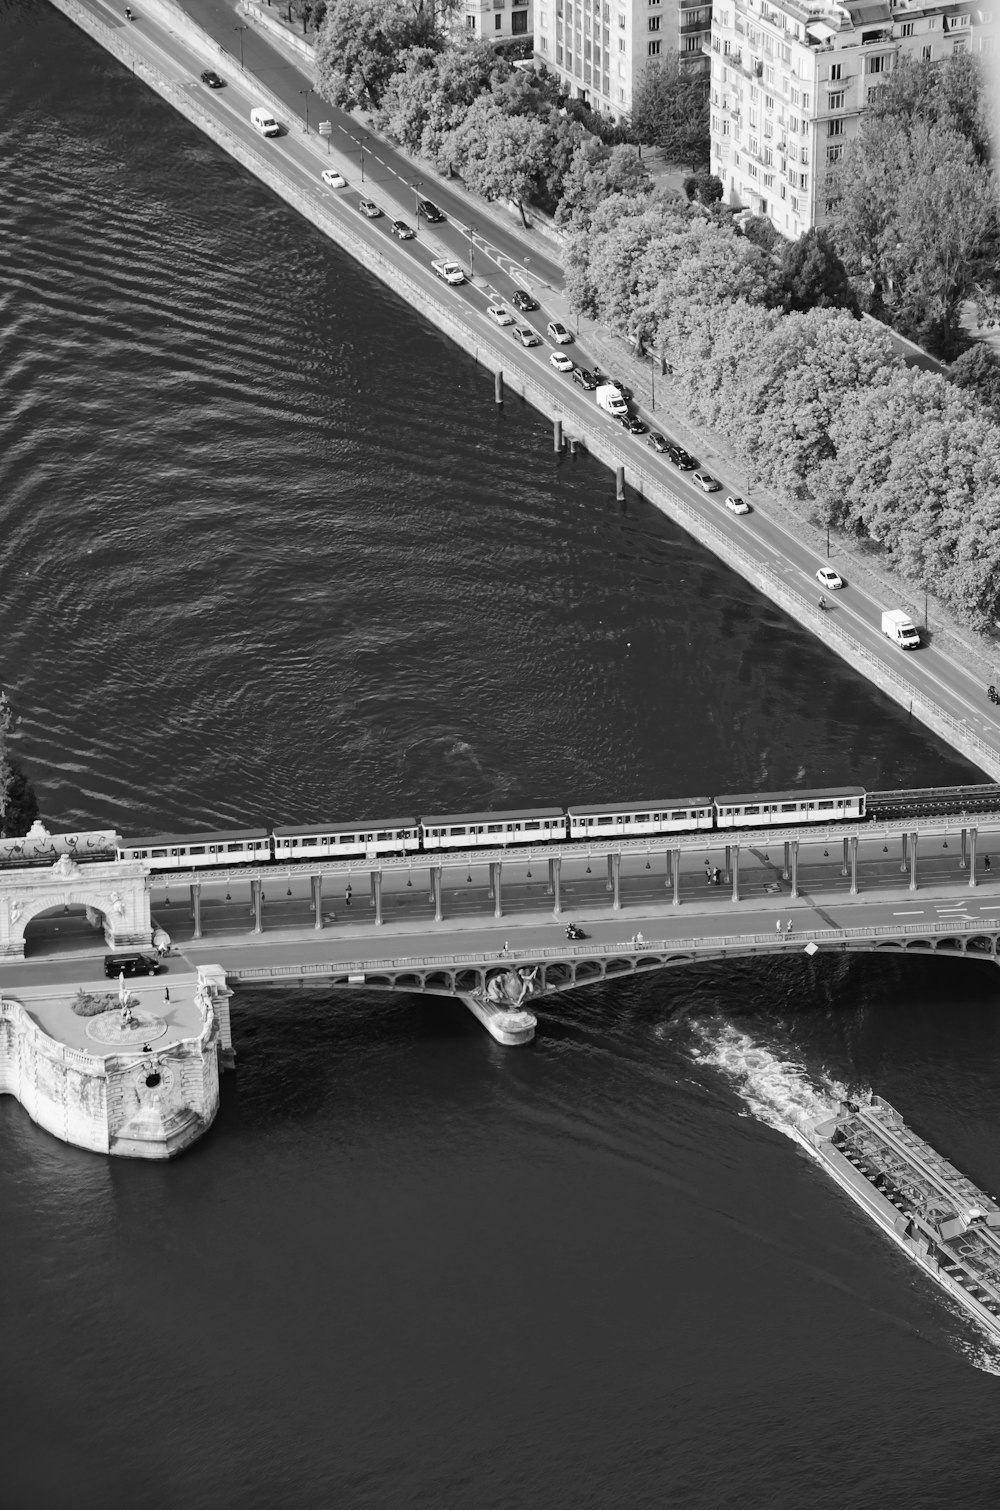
x,y
653,23
470,23
806,100
793,123
768,157
803,181
835,71
691,44
876,93
769,102
926,53
621,44
836,100
804,156
906,30
834,154
961,45
879,63
769,75
497,22
835,128
653,49
795,96
621,20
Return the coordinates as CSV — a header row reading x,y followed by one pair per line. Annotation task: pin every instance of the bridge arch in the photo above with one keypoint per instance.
x,y
114,896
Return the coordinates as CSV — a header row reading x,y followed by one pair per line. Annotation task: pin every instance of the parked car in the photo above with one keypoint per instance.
x,y
333,179
524,302
560,361
706,482
211,78
401,230
370,208
681,458
827,577
737,505
585,378
526,335
659,442
558,333
499,315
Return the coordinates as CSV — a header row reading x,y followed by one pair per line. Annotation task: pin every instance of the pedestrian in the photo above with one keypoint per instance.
x,y
788,926
347,897
166,993
716,876
506,947
639,940
986,862
777,926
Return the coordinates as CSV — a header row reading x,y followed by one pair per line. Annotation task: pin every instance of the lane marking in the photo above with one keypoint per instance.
x,y
918,914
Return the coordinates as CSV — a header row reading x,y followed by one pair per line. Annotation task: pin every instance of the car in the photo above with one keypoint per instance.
x,y
524,302
659,442
499,315
370,208
451,272
428,210
633,424
585,378
682,459
607,382
400,229
526,335
706,482
737,505
333,179
211,78
130,964
560,361
558,333
827,577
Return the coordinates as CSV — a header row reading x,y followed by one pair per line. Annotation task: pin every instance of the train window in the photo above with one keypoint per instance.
x,y
234,848
532,826
606,821
642,818
460,830
196,849
827,804
622,818
678,817
350,838
786,807
307,841
494,828
384,836
752,811
159,854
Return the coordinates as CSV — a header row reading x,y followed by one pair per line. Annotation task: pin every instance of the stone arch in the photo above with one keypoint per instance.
x,y
115,893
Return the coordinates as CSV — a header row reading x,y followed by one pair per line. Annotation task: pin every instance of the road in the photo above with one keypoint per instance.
x,y
497,261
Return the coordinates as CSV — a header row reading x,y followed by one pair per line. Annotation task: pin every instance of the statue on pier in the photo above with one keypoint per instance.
x,y
510,988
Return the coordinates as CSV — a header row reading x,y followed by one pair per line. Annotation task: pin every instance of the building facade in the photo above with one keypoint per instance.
x,y
599,48
791,78
499,20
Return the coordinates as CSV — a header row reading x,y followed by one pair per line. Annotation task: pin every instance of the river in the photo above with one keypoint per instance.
x,y
270,552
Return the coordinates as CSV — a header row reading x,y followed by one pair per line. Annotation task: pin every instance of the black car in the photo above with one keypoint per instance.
x,y
524,302
585,379
402,230
682,459
130,964
211,78
607,382
632,424
429,211
659,442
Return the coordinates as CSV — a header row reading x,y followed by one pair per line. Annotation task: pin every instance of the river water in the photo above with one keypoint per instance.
x,y
270,552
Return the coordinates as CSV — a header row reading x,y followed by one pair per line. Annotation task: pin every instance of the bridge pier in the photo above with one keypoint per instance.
x,y
729,863
436,892
854,865
257,905
793,845
496,867
913,862
675,874
615,871
844,863
784,868
733,858
317,898
973,836
376,881
196,908
905,860
962,859
555,880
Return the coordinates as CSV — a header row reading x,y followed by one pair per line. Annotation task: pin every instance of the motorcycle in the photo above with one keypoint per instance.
x,y
129,16
573,931
823,603
993,694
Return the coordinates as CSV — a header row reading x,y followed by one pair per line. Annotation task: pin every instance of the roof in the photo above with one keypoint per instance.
x,y
321,826
762,798
531,812
870,13
217,836
662,804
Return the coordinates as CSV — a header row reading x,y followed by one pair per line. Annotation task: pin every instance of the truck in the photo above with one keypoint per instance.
x,y
610,400
451,272
899,627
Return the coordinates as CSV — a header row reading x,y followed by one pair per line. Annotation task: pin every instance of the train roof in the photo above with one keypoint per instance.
x,y
216,836
661,804
320,826
796,796
524,812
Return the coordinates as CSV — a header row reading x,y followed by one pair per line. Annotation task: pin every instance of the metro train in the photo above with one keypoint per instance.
x,y
465,831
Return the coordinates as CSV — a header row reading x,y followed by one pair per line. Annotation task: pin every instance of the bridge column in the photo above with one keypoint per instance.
x,y
962,860
913,862
973,836
675,855
729,863
615,866
196,908
496,867
317,891
376,878
844,864
436,892
733,859
795,868
257,905
784,868
854,865
905,861
609,884
555,883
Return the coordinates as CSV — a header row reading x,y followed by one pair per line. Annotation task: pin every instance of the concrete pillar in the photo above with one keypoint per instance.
x,y
784,868
795,868
676,868
196,908
844,863
854,865
377,896
317,893
728,872
557,441
669,875
963,856
620,484
973,836
495,868
257,903
498,387
616,880
735,863
550,883
904,863
913,862
609,884
436,892
555,881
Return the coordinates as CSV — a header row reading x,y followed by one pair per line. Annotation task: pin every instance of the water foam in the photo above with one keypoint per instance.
x,y
776,1089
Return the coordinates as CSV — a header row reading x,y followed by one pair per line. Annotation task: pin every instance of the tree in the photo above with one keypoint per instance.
x,y
704,187
18,804
978,370
431,93
950,93
502,156
670,110
759,230
360,45
596,172
814,276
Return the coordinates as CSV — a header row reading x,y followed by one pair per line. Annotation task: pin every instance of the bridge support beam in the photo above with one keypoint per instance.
x,y
317,895
436,892
845,863
963,857
913,862
196,908
377,896
854,865
794,846
257,905
973,836
733,859
555,884
729,863
615,867
784,868
674,867
904,862
609,884
496,867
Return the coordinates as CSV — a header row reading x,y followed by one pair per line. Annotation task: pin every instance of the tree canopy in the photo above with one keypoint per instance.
x,y
670,110
18,804
360,44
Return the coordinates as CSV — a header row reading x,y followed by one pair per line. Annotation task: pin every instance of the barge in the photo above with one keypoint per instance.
x,y
939,1218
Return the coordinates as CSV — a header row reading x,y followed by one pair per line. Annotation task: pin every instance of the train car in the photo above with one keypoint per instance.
x,y
246,846
340,841
598,820
540,825
783,809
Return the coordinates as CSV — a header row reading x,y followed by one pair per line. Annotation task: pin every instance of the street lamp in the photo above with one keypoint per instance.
x,y
363,140
305,94
472,251
828,541
417,183
241,30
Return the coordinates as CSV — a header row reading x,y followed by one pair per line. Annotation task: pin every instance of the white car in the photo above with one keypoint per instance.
x,y
560,361
451,272
499,315
558,333
333,179
707,482
737,505
827,577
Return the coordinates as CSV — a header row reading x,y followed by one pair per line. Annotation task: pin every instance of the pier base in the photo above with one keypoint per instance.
x,y
508,1026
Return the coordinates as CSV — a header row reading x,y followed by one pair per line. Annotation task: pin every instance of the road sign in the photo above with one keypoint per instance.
x,y
325,128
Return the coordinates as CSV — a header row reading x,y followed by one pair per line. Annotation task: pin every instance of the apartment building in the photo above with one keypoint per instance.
x,y
499,20
599,48
790,79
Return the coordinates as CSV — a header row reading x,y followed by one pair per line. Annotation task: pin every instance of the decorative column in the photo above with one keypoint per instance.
x,y
317,892
784,868
436,892
973,836
795,868
844,864
733,860
854,865
496,866
376,876
913,862
963,860
609,885
668,879
196,908
555,883
676,869
257,903
729,863
615,866
905,860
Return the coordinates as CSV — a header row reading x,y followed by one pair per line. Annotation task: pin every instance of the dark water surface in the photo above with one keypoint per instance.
x,y
270,552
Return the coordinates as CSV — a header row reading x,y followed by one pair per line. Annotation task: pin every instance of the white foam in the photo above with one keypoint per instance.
x,y
776,1089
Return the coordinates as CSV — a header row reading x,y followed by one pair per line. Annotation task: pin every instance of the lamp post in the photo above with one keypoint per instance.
x,y
305,93
652,382
828,542
241,30
472,251
363,159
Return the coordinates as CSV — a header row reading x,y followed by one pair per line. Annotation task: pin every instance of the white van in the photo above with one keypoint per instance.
x,y
263,121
